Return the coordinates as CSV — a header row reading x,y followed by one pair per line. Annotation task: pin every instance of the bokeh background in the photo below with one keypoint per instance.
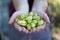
x,y
53,13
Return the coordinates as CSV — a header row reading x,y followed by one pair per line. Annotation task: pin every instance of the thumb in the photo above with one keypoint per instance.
x,y
46,18
13,17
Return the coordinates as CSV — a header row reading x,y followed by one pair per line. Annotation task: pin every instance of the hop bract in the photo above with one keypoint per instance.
x,y
40,22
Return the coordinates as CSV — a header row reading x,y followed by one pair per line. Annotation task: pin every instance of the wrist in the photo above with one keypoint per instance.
x,y
23,8
36,10
40,5
20,4
23,11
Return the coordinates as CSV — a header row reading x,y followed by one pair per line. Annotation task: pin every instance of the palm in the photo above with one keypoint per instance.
x,y
13,17
46,19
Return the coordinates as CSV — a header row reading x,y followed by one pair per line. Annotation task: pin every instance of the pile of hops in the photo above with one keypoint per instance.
x,y
29,21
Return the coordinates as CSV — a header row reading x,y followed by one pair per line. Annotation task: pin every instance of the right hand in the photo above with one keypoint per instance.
x,y
13,17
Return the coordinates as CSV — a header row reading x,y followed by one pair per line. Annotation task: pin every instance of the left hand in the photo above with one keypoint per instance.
x,y
46,19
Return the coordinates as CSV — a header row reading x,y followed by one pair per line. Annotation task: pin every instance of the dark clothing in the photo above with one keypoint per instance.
x,y
41,35
0,36
13,10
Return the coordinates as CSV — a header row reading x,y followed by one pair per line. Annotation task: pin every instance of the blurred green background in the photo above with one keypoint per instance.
x,y
54,14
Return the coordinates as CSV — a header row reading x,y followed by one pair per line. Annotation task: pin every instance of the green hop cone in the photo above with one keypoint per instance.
x,y
33,25
29,18
29,21
31,14
36,17
34,21
24,19
40,22
28,26
21,22
35,14
22,16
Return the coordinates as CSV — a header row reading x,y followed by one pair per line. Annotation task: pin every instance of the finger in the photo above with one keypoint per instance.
x,y
13,17
33,30
17,27
38,28
27,31
24,30
44,16
30,31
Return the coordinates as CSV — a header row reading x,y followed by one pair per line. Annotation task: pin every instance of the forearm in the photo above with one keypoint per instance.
x,y
40,5
21,5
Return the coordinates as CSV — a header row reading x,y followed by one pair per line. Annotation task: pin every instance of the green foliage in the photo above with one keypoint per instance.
x,y
54,11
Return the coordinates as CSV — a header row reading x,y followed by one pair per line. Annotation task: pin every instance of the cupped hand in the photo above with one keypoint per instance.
x,y
38,28
12,21
46,21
